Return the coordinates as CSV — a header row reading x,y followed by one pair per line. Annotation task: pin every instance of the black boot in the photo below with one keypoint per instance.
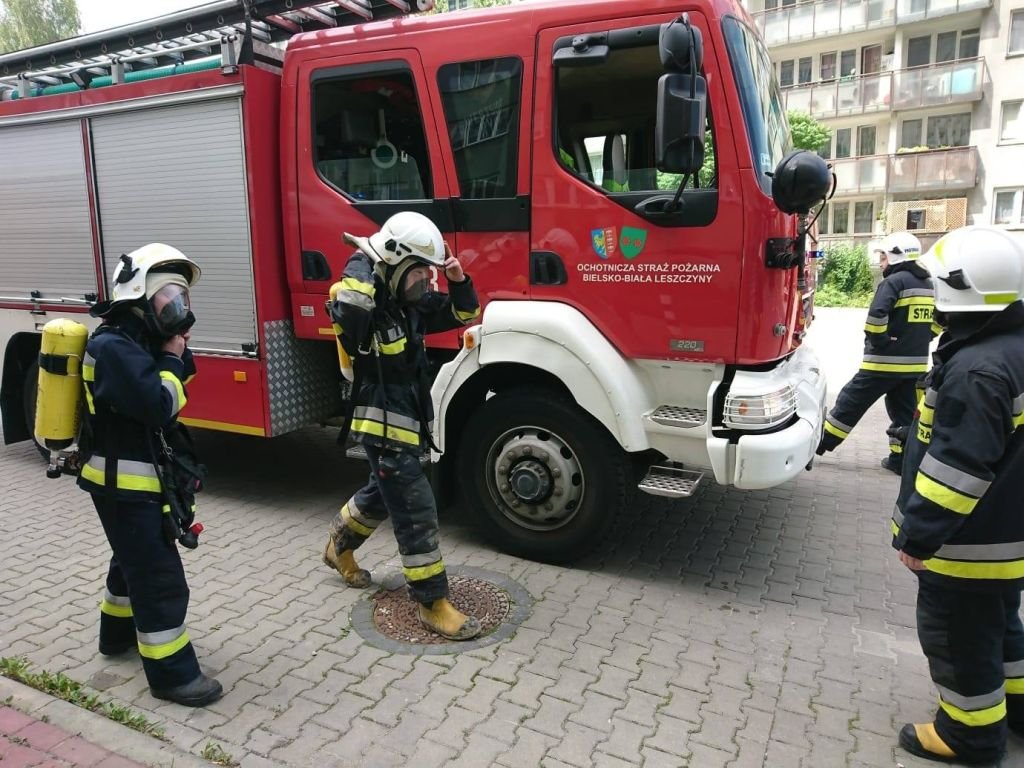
x,y
894,465
110,648
200,692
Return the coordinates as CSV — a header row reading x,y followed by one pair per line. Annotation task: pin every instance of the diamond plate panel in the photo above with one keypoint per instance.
x,y
303,380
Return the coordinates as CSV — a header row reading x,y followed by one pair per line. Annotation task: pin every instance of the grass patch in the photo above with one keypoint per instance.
x,y
830,296
215,754
63,687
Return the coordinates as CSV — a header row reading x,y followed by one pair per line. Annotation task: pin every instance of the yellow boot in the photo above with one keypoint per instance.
x,y
345,564
921,739
448,621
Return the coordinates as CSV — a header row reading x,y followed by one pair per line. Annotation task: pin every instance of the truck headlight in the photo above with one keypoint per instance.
x,y
758,412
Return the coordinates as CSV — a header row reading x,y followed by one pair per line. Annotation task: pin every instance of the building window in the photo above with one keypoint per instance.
x,y
841,220
866,140
1011,131
481,106
825,150
828,66
786,73
843,136
804,75
771,5
1016,32
910,134
823,220
945,47
847,63
919,51
1007,208
863,217
969,40
916,218
949,131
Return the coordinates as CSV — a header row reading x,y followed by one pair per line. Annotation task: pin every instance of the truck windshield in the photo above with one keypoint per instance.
x,y
767,127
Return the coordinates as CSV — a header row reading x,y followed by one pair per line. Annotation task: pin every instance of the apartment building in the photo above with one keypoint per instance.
x,y
924,101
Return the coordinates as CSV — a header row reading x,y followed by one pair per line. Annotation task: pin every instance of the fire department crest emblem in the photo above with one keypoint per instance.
x,y
633,241
604,241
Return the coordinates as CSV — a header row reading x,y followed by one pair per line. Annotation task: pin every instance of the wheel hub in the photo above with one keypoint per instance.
x,y
530,481
535,478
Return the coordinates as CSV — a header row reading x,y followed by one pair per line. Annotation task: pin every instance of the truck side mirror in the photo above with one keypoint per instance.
x,y
682,99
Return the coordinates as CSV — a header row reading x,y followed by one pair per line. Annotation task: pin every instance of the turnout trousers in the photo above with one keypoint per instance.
x,y
859,394
399,488
146,593
974,642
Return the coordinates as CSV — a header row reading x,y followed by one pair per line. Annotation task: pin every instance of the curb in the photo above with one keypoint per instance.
x,y
114,737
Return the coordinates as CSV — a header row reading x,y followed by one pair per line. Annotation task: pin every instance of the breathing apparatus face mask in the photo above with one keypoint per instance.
x,y
411,283
172,311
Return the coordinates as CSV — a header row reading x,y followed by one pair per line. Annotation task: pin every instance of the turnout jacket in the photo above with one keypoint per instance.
x,y
131,391
389,359
961,500
899,325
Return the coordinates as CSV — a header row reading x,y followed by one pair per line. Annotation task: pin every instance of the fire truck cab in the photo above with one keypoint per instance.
x,y
644,292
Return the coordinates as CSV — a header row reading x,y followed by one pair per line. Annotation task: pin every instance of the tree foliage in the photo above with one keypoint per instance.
x,y
441,6
807,132
27,23
844,279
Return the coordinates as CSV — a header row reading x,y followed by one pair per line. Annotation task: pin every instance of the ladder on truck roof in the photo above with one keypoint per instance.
x,y
224,34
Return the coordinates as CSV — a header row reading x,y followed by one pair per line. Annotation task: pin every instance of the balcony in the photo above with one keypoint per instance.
x,y
930,86
935,170
806,21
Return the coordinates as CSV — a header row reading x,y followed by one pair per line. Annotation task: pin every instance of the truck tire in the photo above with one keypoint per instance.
x,y
546,479
28,400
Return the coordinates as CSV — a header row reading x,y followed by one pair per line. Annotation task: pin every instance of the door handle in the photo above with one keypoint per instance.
x,y
547,268
315,266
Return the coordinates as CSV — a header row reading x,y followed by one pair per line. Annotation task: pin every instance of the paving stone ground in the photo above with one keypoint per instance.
x,y
767,628
26,741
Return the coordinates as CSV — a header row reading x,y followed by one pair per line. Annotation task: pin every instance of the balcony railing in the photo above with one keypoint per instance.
x,y
805,21
938,84
933,170
948,83
955,168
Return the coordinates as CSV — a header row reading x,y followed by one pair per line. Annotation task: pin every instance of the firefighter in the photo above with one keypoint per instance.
x,y
957,522
381,311
135,368
898,333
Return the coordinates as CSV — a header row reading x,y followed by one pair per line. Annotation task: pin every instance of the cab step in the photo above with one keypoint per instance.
x,y
358,452
671,482
679,416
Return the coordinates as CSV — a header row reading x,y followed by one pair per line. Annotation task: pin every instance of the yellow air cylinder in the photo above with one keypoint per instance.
x,y
59,396
343,359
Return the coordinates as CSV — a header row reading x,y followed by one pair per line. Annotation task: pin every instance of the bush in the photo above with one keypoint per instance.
x,y
844,279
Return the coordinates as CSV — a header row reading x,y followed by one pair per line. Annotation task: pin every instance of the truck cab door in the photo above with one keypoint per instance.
x,y
370,150
658,286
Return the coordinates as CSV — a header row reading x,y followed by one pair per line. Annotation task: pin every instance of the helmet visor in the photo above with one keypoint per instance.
x,y
172,310
414,284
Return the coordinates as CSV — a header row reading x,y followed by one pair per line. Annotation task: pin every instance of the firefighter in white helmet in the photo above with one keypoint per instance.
x,y
958,521
135,369
898,332
381,310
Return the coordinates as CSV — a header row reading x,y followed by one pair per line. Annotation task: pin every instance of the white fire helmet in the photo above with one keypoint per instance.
x,y
129,280
976,269
406,235
900,246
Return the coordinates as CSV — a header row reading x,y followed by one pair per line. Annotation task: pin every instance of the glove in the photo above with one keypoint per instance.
x,y
898,433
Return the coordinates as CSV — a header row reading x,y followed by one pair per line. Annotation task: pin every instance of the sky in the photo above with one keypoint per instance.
x,y
98,15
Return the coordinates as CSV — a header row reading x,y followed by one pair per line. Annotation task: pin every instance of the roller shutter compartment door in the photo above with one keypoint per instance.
x,y
45,231
176,175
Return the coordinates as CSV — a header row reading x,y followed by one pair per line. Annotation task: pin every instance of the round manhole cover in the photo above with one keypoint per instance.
x,y
389,618
396,615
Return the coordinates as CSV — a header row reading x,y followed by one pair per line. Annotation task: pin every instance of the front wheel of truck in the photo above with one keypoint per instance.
x,y
544,478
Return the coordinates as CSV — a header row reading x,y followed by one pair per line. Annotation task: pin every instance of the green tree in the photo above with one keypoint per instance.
x,y
27,23
807,132
440,6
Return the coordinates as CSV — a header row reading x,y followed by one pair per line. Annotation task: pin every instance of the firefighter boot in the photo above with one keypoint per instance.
x,y
445,619
922,740
345,564
200,692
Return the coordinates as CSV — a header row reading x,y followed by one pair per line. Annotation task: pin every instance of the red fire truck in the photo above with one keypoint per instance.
x,y
640,327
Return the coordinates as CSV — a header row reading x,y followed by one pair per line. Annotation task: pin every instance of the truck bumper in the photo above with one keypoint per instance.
x,y
766,460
